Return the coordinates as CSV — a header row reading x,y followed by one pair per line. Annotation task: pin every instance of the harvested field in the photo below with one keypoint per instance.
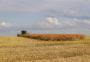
x,y
18,49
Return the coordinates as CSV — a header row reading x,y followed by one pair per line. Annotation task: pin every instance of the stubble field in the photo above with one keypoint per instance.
x,y
18,49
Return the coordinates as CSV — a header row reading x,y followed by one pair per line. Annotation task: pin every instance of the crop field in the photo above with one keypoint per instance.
x,y
19,49
57,37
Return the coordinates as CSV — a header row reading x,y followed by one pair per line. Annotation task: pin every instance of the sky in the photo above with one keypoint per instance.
x,y
44,16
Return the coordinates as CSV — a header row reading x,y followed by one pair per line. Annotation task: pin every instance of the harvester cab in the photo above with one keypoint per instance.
x,y
23,34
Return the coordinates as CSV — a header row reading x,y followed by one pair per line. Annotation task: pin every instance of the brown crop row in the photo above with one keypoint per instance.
x,y
57,36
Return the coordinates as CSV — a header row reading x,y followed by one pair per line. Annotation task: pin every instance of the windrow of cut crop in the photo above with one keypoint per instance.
x,y
58,37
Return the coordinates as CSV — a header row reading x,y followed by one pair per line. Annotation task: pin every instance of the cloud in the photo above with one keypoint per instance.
x,y
4,24
87,21
63,23
48,25
69,6
67,9
55,23
52,21
66,13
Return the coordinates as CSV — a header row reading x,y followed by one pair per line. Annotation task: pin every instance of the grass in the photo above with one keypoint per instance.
x,y
18,49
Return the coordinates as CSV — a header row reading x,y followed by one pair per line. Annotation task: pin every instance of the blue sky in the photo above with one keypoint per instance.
x,y
44,16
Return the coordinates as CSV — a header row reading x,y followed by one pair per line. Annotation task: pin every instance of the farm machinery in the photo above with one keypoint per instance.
x,y
54,37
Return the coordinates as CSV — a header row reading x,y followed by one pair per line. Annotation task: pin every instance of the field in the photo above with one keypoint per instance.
x,y
18,49
54,37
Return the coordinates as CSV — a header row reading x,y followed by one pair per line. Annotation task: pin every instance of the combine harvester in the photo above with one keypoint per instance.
x,y
53,37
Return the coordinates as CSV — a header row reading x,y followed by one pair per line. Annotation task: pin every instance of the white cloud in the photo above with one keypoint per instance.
x,y
4,24
87,21
52,21
73,13
71,7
